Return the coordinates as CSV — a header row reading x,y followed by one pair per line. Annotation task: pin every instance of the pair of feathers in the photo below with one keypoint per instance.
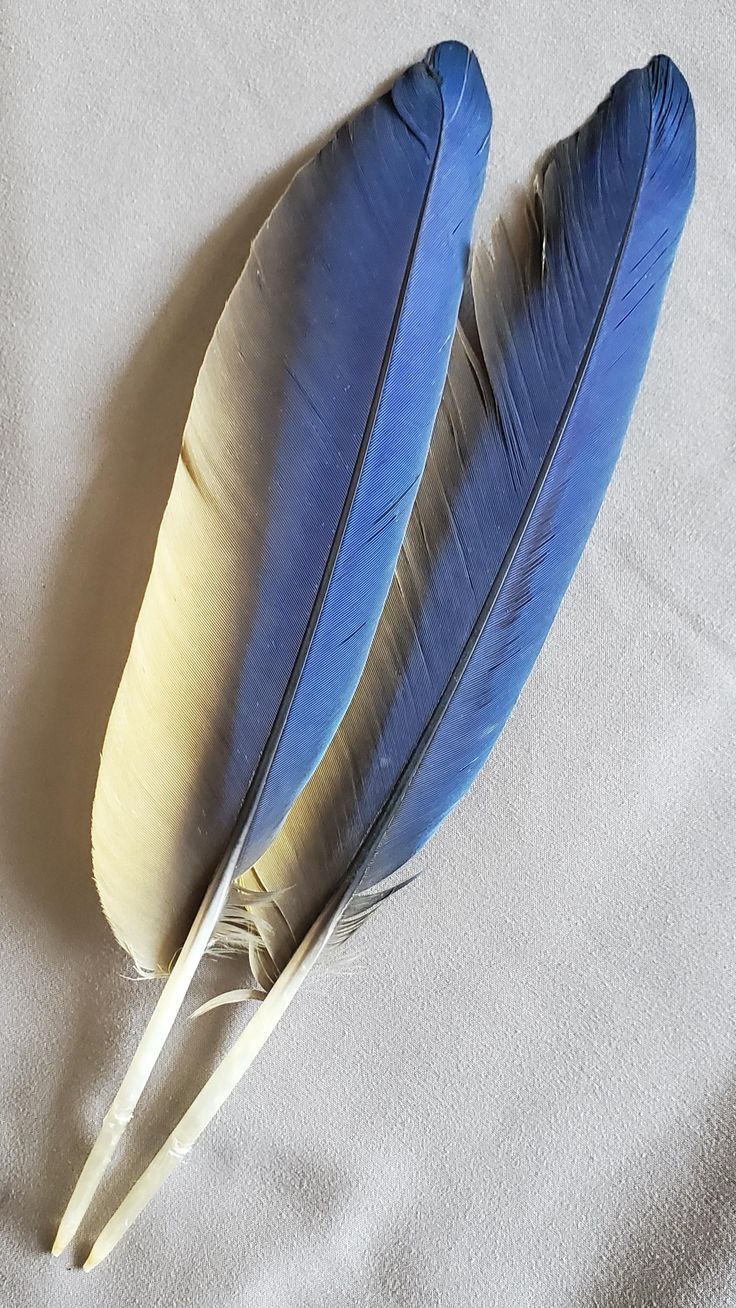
x,y
340,614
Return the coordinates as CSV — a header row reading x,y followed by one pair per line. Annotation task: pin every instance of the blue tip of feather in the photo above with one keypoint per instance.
x,y
449,61
673,109
665,103
445,88
457,72
664,72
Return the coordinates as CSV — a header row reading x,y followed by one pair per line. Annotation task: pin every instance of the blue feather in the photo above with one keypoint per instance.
x,y
303,452
545,368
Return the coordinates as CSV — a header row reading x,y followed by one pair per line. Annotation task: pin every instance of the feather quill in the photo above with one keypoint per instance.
x,y
545,367
301,457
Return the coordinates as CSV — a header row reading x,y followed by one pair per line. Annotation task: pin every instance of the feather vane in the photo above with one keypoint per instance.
x,y
300,461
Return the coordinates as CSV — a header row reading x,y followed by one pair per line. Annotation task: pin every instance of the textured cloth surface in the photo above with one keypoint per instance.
x,y
519,1086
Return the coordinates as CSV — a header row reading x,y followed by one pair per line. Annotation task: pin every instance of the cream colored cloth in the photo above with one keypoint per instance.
x,y
520,1089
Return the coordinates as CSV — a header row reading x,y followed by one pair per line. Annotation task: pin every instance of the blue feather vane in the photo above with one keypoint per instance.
x,y
302,454
553,336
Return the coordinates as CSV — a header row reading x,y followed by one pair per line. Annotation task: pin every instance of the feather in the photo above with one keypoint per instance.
x,y
302,453
545,367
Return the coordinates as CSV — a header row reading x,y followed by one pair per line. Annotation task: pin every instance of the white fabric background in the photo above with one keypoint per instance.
x,y
521,1090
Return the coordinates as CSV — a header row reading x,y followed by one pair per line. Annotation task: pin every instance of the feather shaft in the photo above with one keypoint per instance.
x,y
141,1066
223,1081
